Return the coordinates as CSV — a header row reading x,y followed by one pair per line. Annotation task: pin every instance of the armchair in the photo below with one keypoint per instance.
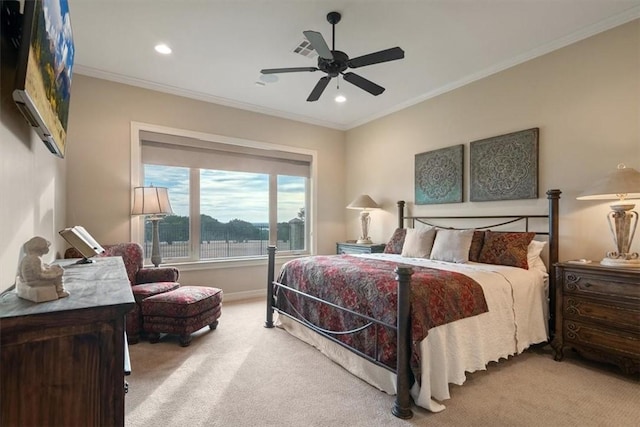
x,y
145,282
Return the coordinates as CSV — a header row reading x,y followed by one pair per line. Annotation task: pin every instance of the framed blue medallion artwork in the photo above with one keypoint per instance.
x,y
505,167
438,176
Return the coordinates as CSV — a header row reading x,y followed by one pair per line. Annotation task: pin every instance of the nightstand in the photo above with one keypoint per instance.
x,y
598,313
354,248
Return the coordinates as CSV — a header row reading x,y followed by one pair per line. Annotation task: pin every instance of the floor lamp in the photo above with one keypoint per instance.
x,y
621,185
154,203
364,202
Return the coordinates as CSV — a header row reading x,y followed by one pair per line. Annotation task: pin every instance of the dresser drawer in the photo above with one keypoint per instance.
x,y
608,340
624,316
585,283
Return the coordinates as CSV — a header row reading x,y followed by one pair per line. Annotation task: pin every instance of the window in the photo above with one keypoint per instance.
x,y
230,199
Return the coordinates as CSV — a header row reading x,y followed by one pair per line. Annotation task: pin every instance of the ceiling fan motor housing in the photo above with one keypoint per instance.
x,y
334,66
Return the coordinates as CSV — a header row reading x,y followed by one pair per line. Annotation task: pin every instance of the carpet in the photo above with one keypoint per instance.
x,y
242,374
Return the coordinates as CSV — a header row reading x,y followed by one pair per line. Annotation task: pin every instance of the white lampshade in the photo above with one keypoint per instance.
x,y
623,183
151,201
363,201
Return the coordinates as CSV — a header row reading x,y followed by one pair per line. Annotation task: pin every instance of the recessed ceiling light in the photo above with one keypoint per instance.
x,y
163,49
340,98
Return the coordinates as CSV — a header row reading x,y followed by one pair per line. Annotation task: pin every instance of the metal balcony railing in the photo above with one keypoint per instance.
x,y
224,242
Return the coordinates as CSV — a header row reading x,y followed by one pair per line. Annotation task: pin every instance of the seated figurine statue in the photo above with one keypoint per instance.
x,y
38,281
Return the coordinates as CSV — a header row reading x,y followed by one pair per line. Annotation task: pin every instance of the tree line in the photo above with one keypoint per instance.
x,y
174,228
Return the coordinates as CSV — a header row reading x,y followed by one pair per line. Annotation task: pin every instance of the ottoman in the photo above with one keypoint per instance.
x,y
140,292
181,312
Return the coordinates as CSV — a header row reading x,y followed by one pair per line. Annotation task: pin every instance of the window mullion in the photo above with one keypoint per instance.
x,y
273,209
194,213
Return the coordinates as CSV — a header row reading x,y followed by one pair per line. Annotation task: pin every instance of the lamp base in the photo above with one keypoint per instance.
x,y
619,262
366,241
156,258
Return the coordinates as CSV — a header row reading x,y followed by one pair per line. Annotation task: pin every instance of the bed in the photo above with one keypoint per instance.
x,y
375,315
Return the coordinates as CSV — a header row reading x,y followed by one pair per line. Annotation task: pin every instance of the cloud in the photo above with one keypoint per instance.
x,y
230,195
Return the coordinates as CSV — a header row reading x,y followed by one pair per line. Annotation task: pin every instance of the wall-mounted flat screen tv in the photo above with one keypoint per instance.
x,y
45,62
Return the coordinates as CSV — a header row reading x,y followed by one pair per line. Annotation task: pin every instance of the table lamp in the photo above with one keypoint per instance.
x,y
154,203
364,202
621,184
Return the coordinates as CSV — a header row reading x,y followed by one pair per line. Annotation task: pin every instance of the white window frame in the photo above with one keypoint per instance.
x,y
137,180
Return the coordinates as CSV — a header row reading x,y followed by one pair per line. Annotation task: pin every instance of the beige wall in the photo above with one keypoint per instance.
x,y
32,182
585,99
99,187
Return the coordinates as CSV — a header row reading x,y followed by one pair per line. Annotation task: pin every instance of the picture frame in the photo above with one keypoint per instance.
x,y
504,167
439,176
42,89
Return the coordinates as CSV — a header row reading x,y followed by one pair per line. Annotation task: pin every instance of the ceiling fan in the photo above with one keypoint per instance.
x,y
335,62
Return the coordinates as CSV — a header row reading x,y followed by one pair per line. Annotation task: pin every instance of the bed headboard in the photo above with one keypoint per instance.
x,y
524,221
494,221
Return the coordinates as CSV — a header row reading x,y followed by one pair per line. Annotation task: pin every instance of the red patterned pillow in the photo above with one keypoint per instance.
x,y
506,248
476,245
394,245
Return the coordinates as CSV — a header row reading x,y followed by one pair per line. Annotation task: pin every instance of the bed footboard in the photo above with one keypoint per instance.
x,y
402,404
271,265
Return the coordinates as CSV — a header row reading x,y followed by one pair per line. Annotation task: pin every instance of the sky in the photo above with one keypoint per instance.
x,y
228,195
58,27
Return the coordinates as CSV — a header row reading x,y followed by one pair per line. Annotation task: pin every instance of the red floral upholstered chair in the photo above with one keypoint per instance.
x,y
145,282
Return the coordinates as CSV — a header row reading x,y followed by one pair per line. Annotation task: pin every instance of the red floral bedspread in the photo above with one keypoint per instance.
x,y
368,286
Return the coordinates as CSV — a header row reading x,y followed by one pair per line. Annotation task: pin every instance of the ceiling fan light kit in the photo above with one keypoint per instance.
x,y
335,63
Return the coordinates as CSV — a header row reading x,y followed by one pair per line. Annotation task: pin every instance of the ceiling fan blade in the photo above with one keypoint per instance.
x,y
377,57
318,43
317,91
363,83
287,70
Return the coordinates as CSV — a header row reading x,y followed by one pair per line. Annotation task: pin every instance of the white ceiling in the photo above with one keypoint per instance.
x,y
220,46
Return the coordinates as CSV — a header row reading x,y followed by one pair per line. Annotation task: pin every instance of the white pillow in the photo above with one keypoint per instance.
x,y
452,245
533,255
537,264
418,242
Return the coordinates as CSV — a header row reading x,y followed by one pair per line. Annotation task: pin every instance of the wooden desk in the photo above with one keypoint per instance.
x,y
63,361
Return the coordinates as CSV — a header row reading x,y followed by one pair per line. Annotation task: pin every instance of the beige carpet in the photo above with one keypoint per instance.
x,y
243,374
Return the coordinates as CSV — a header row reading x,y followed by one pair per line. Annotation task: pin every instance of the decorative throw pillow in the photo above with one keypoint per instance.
x,y
476,245
505,248
452,245
394,245
418,242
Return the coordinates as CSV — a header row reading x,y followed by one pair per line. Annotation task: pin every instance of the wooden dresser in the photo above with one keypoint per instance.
x,y
62,362
598,313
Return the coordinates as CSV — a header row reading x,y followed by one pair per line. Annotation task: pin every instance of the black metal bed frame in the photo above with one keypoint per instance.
x,y
402,404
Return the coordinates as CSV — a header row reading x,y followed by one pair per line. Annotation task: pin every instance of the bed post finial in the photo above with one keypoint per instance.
x,y
271,251
400,213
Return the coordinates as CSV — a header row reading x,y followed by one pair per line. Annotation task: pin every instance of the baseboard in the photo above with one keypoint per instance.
x,y
237,296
